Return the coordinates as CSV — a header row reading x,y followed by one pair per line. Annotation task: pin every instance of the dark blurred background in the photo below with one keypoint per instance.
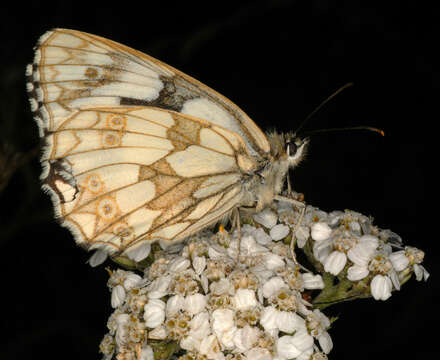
x,y
277,60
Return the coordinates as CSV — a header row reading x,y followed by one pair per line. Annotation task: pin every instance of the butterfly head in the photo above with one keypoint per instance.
x,y
295,148
288,148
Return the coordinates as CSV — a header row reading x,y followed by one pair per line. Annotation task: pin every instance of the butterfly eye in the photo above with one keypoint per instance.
x,y
291,149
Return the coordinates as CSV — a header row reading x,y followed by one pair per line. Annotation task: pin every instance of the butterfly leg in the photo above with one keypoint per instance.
x,y
302,206
237,224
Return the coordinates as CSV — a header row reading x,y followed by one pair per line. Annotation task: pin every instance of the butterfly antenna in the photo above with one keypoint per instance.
x,y
368,128
321,105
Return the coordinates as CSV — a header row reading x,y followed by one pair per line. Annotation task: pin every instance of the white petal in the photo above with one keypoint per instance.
x,y
261,236
289,322
223,286
420,272
158,333
179,264
154,313
175,304
98,257
286,348
210,347
146,353
118,296
272,286
394,279
302,235
322,249
222,320
273,261
399,260
245,338
195,303
312,282
200,325
325,342
357,272
267,218
227,337
244,299
132,281
159,287
139,253
335,262
302,340
381,287
258,354
279,232
269,318
199,264
249,247
320,231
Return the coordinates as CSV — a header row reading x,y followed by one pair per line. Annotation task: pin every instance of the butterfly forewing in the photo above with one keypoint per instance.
x,y
73,69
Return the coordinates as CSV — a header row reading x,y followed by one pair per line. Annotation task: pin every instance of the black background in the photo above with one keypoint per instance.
x,y
277,60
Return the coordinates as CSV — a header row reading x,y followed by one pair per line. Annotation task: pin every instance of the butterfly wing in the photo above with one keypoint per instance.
x,y
136,151
123,177
73,69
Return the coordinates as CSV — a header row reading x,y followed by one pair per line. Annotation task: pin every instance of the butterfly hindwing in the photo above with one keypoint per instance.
x,y
127,175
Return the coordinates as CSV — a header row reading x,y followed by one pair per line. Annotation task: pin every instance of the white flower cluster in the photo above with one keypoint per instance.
x,y
348,241
220,303
227,297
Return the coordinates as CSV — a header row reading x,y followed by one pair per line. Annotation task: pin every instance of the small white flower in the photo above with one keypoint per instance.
x,y
118,296
245,338
199,329
132,281
267,218
146,353
199,264
179,264
273,261
154,313
223,286
289,347
335,262
258,353
222,320
399,260
320,231
363,251
325,342
273,286
312,282
289,322
381,287
175,304
421,273
322,249
195,303
122,321
357,272
210,347
302,235
261,236
279,232
159,287
269,318
244,299
249,247
158,333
